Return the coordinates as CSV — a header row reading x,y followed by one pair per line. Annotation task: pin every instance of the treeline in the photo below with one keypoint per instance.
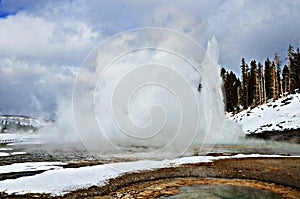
x,y
261,82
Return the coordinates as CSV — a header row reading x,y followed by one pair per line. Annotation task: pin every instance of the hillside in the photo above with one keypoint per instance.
x,y
16,128
282,115
15,123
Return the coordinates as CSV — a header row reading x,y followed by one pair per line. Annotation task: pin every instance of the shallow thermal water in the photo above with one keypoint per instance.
x,y
38,152
222,192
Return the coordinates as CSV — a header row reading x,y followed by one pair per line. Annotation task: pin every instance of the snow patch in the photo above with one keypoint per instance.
x,y
30,166
282,114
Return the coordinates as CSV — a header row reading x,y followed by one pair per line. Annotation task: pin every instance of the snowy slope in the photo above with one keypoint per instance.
x,y
15,123
16,129
20,120
283,114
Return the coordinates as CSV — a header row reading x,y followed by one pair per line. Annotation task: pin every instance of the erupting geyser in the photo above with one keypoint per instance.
x,y
140,88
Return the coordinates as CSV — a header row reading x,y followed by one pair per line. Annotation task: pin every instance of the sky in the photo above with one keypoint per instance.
x,y
43,42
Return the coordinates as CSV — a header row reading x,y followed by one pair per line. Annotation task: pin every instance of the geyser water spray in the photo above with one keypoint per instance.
x,y
141,88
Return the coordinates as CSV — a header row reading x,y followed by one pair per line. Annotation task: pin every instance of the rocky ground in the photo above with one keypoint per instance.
x,y
170,187
291,135
280,175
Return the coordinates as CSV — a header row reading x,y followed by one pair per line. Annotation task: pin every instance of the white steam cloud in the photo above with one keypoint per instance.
x,y
141,88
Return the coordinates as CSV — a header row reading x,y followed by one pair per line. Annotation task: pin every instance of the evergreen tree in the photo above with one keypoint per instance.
x,y
285,80
278,87
274,79
252,84
261,83
293,77
268,79
297,69
245,81
260,86
223,74
231,89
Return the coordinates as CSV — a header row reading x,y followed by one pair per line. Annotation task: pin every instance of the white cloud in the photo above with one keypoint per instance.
x,y
35,38
33,89
43,37
254,29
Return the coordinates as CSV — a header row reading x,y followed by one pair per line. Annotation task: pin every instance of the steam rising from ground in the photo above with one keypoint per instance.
x,y
141,88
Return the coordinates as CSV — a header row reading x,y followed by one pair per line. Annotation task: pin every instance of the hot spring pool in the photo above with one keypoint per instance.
x,y
222,192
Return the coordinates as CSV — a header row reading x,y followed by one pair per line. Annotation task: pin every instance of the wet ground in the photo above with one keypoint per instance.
x,y
10,154
284,172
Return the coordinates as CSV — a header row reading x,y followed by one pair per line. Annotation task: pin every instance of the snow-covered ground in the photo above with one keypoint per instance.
x,y
283,114
16,138
30,166
59,181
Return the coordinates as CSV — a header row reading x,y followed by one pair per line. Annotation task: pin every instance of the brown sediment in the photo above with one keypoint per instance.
x,y
280,175
169,187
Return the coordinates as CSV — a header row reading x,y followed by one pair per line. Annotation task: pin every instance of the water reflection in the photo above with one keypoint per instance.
x,y
222,192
